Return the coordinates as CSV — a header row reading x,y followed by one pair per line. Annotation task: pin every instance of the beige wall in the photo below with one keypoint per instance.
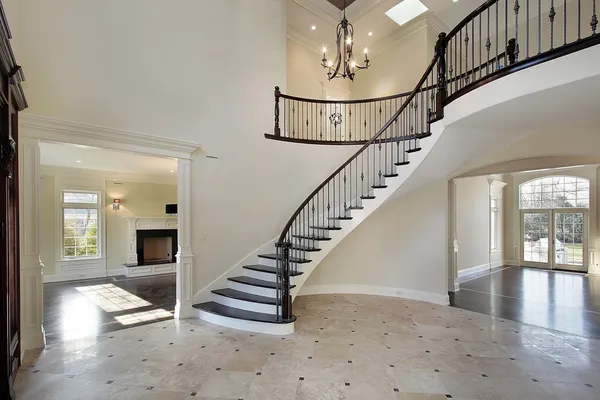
x,y
401,245
395,69
473,222
138,199
305,75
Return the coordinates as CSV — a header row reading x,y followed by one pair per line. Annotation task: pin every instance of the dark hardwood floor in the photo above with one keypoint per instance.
x,y
80,308
563,301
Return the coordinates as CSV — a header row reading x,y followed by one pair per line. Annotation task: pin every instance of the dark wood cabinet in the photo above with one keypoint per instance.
x,y
12,100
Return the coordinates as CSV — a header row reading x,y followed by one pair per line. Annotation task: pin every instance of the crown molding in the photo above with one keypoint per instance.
x,y
323,9
360,8
107,175
310,44
55,130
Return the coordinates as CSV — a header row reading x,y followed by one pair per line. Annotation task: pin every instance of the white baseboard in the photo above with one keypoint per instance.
x,y
115,272
376,291
511,263
473,270
75,276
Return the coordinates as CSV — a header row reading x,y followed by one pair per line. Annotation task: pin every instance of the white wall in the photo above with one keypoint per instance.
x,y
399,61
138,199
305,75
473,222
399,250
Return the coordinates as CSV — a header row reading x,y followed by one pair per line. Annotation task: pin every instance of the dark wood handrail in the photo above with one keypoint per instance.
x,y
357,101
469,17
363,148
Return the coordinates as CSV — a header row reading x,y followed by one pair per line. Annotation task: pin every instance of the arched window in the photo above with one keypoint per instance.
x,y
555,192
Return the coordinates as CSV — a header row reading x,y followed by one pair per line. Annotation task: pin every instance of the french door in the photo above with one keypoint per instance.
x,y
554,239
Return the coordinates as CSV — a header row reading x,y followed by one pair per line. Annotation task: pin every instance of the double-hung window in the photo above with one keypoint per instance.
x,y
80,224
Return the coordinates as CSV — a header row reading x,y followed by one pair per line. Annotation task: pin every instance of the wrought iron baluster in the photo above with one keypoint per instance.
x,y
472,49
497,59
480,61
466,77
505,22
460,59
527,30
539,26
565,20
551,15
488,44
578,19
516,9
594,22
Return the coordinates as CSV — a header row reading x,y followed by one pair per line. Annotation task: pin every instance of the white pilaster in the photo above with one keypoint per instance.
x,y
453,285
32,288
185,258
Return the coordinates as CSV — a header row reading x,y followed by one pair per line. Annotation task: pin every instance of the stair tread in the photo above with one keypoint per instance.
x,y
340,218
327,228
239,295
255,282
312,237
390,175
402,163
379,186
304,248
356,208
367,197
413,150
293,259
268,269
232,312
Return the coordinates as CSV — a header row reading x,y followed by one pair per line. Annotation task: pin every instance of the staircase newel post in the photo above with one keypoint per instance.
x,y
442,92
283,272
277,130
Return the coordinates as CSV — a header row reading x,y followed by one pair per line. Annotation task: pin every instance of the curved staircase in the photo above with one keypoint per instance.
x,y
261,299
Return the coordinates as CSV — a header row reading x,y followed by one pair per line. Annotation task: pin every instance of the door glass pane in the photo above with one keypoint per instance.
x,y
568,248
535,237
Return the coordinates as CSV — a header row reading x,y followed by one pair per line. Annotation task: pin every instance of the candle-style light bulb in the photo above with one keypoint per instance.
x,y
324,49
366,50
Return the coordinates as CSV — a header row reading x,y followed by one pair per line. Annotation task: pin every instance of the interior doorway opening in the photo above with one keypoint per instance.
x,y
107,245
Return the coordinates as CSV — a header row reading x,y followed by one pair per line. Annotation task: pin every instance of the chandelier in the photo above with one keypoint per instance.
x,y
344,65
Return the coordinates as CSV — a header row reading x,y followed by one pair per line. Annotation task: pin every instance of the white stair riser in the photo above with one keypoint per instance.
x,y
260,291
245,305
265,276
251,326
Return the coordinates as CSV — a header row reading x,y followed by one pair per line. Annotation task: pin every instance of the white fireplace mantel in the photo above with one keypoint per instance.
x,y
146,223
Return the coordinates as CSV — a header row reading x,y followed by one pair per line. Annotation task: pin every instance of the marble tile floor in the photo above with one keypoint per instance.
x,y
345,347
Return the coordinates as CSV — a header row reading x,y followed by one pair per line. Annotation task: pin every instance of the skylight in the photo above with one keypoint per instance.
x,y
405,11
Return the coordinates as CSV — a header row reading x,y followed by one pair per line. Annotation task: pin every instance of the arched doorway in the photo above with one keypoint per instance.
x,y
554,222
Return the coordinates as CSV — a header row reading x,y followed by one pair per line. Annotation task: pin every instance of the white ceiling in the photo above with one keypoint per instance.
x,y
366,16
96,159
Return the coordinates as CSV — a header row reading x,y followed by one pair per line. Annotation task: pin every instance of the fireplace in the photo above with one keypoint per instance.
x,y
156,246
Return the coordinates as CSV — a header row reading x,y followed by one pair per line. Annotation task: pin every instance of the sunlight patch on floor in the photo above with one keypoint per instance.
x,y
112,298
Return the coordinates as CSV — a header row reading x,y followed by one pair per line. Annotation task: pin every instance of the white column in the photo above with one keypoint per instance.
x,y
185,258
453,285
32,288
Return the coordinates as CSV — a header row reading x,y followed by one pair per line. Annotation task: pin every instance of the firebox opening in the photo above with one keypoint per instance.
x,y
157,249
